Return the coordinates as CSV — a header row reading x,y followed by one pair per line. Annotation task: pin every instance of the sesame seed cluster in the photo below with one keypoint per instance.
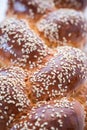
x,y
13,97
64,26
64,72
20,44
54,115
37,82
57,22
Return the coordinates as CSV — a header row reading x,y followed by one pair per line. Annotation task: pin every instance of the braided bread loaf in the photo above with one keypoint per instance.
x,y
55,76
59,27
38,83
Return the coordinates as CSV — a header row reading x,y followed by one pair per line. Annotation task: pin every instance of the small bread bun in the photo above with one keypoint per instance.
x,y
13,97
63,27
64,73
55,115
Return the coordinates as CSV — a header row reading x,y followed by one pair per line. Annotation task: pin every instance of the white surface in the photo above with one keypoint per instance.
x,y
86,13
3,7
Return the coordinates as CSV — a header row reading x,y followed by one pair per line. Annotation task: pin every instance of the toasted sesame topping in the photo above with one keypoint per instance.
x,y
13,97
31,101
62,74
63,109
63,26
20,45
15,71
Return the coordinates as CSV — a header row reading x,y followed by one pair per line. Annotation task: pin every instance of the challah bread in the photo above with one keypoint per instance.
x,y
63,27
38,95
68,67
13,96
53,115
62,74
21,46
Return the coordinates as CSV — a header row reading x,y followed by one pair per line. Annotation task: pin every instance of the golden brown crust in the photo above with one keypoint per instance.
x,y
54,115
71,64
47,74
62,74
63,27
13,96
20,45
57,26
